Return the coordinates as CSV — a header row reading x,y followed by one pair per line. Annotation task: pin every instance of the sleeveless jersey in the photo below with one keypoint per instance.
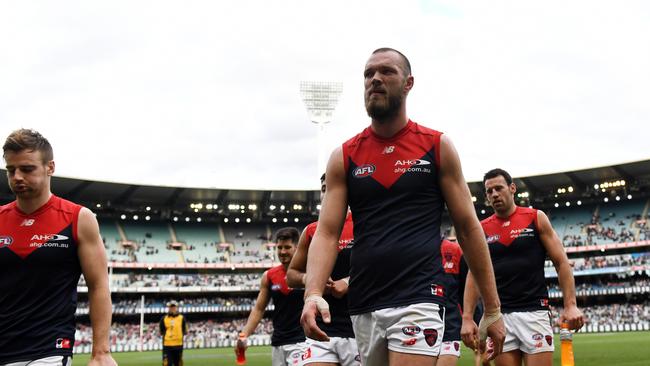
x,y
341,325
452,256
288,304
39,272
396,204
518,259
173,327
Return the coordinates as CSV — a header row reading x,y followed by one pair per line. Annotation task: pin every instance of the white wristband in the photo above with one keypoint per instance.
x,y
486,321
321,304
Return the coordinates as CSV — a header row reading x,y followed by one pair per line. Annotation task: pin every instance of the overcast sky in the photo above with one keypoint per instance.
x,y
206,93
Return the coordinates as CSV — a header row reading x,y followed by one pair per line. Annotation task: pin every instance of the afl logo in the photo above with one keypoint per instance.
x,y
364,171
5,241
493,239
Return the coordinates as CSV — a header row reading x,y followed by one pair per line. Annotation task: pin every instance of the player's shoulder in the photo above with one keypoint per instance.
x,y
419,129
64,205
526,211
9,207
489,221
357,139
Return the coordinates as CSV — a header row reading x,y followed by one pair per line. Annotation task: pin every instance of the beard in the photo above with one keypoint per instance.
x,y
384,109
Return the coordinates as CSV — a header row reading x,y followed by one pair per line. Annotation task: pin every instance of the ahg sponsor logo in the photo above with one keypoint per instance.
x,y
49,237
364,171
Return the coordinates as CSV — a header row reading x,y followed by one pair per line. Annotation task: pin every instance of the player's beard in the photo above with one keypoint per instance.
x,y
385,109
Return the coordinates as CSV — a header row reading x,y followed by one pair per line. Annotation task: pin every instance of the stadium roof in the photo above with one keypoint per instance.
x,y
104,197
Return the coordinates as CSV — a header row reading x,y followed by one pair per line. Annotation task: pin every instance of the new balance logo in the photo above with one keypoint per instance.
x,y
28,222
388,149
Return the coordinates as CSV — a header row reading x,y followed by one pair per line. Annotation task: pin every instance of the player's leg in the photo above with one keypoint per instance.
x,y
414,333
449,353
536,333
539,359
370,335
165,357
511,358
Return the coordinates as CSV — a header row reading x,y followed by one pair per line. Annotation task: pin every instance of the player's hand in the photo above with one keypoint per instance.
x,y
572,316
339,288
497,333
469,333
328,286
315,305
242,342
104,359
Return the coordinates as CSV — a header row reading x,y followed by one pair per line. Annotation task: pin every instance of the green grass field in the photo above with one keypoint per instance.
x,y
607,349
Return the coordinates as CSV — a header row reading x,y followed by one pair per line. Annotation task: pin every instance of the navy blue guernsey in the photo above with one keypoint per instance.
x,y
341,324
518,259
452,256
39,272
288,305
396,204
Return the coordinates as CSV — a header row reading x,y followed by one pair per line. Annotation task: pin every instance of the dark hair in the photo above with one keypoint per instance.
x,y
322,178
497,172
287,233
27,139
407,65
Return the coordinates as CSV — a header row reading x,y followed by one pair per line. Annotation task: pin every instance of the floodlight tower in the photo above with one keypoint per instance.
x,y
320,98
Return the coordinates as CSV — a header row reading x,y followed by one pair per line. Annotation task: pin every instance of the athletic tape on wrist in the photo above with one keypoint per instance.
x,y
486,321
321,304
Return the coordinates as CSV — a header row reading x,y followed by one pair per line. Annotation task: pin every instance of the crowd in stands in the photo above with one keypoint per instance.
x,y
243,280
621,260
613,315
132,306
598,285
199,333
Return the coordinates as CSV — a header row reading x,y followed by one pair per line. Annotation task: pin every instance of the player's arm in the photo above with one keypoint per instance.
x,y
322,254
92,257
296,270
261,303
471,238
469,329
571,314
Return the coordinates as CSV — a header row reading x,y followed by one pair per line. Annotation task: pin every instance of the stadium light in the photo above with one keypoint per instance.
x,y
208,206
629,196
123,217
557,204
482,212
187,219
274,220
175,219
568,203
147,217
237,219
99,205
282,207
148,208
618,198
606,199
248,220
579,203
473,198
135,217
318,207
198,219
320,98
225,219
272,207
285,220
296,220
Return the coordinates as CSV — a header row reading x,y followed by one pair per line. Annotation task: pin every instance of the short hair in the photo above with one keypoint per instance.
x,y
407,64
287,233
495,173
28,139
322,178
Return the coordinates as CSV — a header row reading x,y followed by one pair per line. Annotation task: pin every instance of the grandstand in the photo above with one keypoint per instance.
x,y
207,249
